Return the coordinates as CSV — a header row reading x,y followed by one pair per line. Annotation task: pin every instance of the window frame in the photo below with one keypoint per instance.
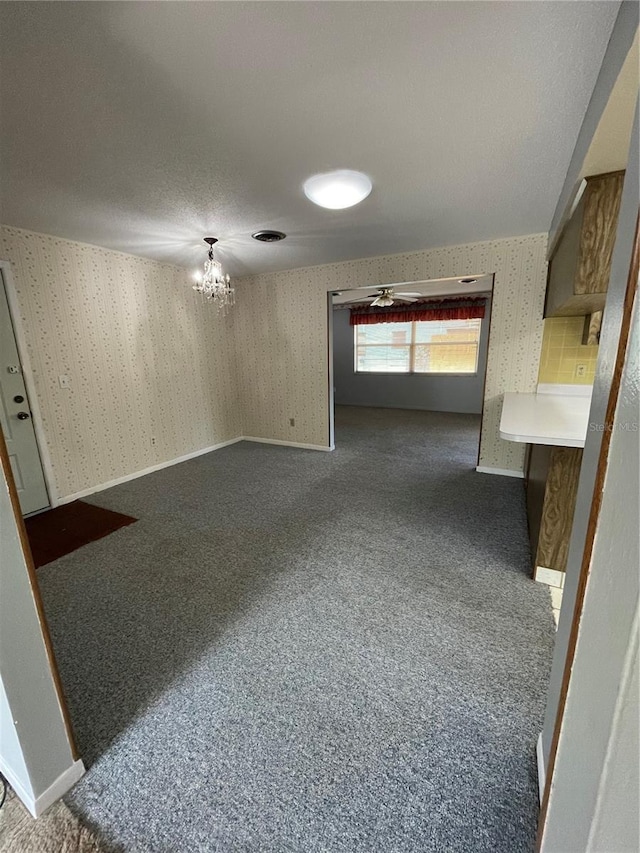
x,y
412,344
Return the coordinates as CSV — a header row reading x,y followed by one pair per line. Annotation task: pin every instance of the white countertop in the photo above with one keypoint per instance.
x,y
547,417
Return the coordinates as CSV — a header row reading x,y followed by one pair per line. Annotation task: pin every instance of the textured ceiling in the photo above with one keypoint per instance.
x,y
432,287
609,149
145,126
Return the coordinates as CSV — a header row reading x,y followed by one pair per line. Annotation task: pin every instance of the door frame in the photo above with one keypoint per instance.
x,y
330,376
27,376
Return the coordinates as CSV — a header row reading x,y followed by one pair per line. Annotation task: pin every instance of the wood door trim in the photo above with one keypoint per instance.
x,y
331,437
594,514
35,590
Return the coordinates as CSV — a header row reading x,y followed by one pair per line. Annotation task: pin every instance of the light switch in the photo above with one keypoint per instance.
x,y
64,380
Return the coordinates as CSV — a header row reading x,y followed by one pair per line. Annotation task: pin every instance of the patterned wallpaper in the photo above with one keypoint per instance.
x,y
152,371
281,326
156,375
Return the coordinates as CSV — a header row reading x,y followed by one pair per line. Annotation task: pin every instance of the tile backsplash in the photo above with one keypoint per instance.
x,y
563,353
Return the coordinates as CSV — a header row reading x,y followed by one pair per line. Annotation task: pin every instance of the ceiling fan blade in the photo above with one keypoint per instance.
x,y
385,293
361,299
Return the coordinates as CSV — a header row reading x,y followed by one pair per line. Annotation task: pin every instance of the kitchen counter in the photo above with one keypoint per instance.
x,y
556,415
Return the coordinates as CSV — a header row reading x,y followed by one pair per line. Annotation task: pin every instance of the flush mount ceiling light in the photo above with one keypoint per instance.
x,y
214,285
339,189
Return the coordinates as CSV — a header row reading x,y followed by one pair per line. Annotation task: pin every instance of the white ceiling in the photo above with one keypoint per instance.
x,y
145,126
609,149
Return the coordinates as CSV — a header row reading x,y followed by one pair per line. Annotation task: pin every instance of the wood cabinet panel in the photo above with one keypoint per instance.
x,y
558,507
579,269
591,331
598,233
537,472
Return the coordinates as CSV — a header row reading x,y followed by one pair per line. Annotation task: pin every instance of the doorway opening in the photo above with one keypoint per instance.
x,y
413,347
19,415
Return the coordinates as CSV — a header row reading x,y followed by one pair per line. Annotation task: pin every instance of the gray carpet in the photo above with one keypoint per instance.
x,y
302,651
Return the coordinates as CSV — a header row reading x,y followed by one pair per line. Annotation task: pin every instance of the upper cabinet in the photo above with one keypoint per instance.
x,y
580,265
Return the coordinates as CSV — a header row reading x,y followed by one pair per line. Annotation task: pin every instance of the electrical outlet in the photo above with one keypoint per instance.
x,y
581,369
292,421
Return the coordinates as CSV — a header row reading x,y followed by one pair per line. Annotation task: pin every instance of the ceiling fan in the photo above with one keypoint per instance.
x,y
386,296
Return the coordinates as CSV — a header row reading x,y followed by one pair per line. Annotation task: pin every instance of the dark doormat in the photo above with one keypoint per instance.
x,y
60,531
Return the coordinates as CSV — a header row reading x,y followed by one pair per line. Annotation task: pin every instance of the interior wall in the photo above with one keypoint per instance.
x,y
152,369
35,750
606,629
284,372
429,392
11,756
593,802
607,352
615,825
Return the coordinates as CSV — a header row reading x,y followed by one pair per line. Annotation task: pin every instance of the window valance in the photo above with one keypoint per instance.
x,y
455,308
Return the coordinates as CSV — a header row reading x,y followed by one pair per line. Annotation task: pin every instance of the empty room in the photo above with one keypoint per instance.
x,y
319,408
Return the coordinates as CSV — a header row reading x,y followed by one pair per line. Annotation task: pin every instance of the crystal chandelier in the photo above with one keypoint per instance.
x,y
214,285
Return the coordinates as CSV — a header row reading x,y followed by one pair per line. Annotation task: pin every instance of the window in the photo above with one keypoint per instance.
x,y
424,346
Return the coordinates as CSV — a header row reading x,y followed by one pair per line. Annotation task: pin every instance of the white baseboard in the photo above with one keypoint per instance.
x,y
59,788
503,472
542,776
125,479
551,577
38,805
287,443
22,790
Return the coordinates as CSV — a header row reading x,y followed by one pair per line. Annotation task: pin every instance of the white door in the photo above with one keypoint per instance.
x,y
15,417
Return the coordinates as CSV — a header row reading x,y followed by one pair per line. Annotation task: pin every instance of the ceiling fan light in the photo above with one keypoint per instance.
x,y
338,190
385,300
